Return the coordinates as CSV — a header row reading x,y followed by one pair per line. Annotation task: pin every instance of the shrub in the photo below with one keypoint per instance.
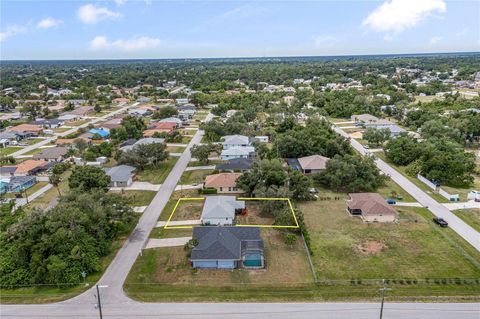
x,y
290,239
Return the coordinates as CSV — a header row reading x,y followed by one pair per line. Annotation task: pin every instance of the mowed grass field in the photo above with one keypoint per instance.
x,y
345,248
157,175
470,216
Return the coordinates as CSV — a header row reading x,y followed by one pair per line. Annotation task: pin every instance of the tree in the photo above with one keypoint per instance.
x,y
88,178
134,126
351,173
402,150
97,108
55,246
164,112
265,173
55,180
202,152
144,155
299,185
80,144
376,136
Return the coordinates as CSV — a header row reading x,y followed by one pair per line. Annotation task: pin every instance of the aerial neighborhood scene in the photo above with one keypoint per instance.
x,y
206,170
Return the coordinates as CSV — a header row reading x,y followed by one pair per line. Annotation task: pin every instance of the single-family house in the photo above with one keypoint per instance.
x,y
312,164
231,141
52,154
27,128
181,101
143,141
69,117
371,207
178,122
113,123
81,111
29,167
120,176
140,112
221,210
20,183
224,183
120,100
236,165
227,248
103,133
237,152
50,123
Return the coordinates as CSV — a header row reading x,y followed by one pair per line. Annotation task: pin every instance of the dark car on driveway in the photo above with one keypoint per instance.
x,y
440,222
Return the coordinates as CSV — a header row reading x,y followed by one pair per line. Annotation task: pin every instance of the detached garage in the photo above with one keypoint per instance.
x,y
227,248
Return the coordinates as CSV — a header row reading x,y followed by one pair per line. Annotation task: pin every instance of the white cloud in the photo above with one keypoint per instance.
x,y
134,44
11,31
434,41
397,15
119,2
48,23
92,14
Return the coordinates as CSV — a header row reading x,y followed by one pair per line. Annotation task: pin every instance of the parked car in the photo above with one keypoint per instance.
x,y
440,222
391,201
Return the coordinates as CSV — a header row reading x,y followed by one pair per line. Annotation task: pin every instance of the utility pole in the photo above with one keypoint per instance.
x,y
383,289
99,302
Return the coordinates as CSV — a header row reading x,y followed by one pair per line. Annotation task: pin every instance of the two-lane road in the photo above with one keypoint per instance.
x,y
459,226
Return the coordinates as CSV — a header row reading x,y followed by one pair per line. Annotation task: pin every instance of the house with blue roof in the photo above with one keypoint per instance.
x,y
100,131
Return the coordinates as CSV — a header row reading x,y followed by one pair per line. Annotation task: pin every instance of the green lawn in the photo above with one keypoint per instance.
x,y
345,248
44,200
470,216
391,188
463,191
175,149
140,198
197,176
157,175
160,232
9,150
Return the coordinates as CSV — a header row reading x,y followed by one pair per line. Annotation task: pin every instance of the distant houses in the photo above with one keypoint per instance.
x,y
236,146
52,154
309,164
370,121
15,184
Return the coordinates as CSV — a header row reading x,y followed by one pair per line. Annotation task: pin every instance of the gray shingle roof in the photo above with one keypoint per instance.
x,y
120,173
236,164
224,242
221,207
51,153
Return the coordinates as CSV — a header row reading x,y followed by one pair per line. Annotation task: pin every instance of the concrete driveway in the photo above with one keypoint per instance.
x,y
167,242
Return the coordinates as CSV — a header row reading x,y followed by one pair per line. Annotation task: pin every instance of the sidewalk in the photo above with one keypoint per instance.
x,y
180,223
195,168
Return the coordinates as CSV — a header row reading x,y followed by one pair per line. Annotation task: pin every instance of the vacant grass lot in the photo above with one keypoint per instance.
x,y
165,274
393,190
167,210
157,175
197,176
139,198
175,149
346,248
470,216
48,199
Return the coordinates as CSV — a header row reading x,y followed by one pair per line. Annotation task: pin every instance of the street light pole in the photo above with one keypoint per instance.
x,y
383,289
99,303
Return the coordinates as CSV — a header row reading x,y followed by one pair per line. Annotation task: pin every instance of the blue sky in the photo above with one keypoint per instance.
x,y
178,29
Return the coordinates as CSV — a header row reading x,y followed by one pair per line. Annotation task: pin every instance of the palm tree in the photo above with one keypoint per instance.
x,y
55,180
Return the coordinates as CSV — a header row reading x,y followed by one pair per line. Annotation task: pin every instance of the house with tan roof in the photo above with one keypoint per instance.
x,y
27,128
371,207
224,183
309,164
29,167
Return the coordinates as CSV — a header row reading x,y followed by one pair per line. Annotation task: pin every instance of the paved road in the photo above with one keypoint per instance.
x,y
73,130
117,305
437,209
23,201
248,311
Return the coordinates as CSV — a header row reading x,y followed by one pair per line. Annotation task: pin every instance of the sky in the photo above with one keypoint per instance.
x,y
126,29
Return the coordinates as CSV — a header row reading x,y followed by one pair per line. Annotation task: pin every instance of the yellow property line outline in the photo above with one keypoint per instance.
x,y
238,225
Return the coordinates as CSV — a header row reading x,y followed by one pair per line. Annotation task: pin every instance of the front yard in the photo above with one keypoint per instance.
x,y
157,175
164,274
196,176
